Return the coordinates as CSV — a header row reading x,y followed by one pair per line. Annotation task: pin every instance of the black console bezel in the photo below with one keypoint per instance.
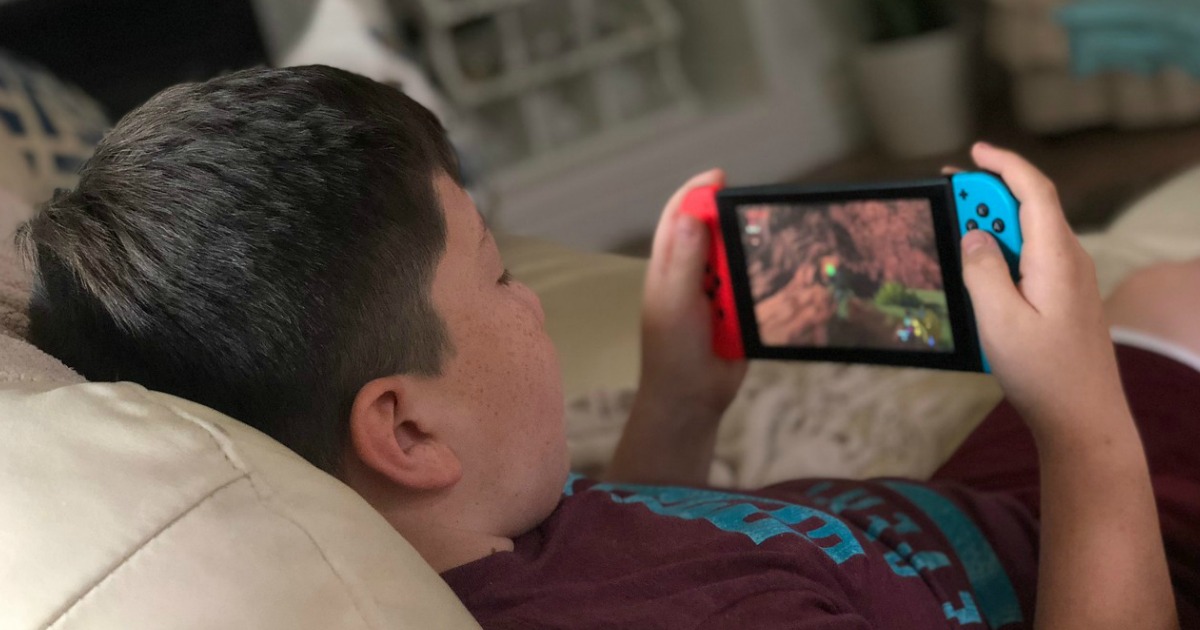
x,y
940,193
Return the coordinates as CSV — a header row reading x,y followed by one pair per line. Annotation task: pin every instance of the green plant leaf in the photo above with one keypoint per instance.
x,y
899,19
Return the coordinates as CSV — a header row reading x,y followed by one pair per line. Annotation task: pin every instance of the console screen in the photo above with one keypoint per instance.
x,y
859,274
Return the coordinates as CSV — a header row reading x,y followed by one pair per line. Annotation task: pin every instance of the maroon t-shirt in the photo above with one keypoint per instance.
x,y
807,554
835,554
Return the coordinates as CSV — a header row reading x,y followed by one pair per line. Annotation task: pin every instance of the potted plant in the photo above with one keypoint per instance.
x,y
913,77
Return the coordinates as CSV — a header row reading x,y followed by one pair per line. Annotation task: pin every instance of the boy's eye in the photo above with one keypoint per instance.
x,y
505,278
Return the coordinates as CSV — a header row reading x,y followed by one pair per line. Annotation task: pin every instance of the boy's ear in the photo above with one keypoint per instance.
x,y
389,437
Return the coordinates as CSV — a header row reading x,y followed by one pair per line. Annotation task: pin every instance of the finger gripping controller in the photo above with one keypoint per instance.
x,y
727,335
983,202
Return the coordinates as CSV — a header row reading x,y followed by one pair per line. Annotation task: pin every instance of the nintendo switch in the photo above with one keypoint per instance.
x,y
859,273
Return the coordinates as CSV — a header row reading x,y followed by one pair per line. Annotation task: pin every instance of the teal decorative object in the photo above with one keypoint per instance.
x,y
1139,36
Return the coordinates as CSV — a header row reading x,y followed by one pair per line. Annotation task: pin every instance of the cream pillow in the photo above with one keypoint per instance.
x,y
125,508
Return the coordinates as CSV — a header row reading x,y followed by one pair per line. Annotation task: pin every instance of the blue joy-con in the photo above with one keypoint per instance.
x,y
983,202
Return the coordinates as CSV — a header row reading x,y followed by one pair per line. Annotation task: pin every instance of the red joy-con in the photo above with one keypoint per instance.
x,y
727,335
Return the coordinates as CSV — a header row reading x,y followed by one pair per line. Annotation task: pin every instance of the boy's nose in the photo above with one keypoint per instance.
x,y
535,303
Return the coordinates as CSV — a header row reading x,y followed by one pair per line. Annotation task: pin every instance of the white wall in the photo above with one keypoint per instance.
x,y
779,103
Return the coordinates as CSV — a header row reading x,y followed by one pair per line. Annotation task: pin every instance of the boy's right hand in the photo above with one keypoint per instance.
x,y
1046,338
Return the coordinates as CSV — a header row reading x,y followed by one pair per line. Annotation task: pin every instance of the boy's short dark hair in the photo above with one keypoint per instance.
x,y
263,243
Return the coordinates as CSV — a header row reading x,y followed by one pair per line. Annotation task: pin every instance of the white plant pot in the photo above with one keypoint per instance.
x,y
915,93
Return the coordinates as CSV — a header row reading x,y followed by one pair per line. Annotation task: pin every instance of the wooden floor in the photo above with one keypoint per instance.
x,y
1098,172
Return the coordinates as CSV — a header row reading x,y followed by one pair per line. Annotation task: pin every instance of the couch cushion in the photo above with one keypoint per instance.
x,y
1162,226
126,508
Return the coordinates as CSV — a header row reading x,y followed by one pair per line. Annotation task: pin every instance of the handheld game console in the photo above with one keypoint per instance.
x,y
862,273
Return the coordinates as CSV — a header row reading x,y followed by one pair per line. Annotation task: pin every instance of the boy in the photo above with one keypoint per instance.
x,y
291,247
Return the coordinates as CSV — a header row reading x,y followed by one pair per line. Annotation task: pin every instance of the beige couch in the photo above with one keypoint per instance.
x,y
125,508
1029,39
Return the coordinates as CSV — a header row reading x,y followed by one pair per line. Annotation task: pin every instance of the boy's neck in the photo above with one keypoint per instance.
x,y
432,523
447,548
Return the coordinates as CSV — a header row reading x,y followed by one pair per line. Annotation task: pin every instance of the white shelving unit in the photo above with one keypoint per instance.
x,y
582,153
545,76
776,100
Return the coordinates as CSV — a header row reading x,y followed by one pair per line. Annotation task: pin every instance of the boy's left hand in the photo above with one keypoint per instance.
x,y
679,367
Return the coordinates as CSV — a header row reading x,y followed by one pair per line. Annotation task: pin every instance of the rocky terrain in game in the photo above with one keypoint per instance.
x,y
868,243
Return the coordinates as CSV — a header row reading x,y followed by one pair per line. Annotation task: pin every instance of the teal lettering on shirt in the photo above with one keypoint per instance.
x,y
968,614
904,524
856,499
997,600
740,514
906,563
818,488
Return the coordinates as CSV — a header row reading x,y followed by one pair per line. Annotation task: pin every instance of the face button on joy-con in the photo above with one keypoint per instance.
x,y
998,226
983,210
964,195
972,225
